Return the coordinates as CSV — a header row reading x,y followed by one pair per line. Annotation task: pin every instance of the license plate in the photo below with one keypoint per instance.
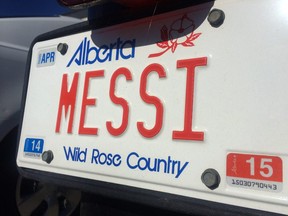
x,y
168,103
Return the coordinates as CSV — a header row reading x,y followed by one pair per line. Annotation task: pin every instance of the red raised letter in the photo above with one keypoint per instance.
x,y
151,100
120,101
88,102
67,99
187,133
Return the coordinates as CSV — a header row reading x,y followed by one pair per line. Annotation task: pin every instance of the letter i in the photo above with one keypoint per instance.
x,y
77,154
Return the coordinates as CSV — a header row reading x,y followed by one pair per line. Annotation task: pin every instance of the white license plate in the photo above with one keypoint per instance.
x,y
169,104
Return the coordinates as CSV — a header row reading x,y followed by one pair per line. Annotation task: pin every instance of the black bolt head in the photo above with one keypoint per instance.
x,y
62,48
47,156
211,178
216,18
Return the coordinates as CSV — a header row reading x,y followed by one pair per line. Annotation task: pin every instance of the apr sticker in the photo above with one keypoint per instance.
x,y
33,147
259,172
46,57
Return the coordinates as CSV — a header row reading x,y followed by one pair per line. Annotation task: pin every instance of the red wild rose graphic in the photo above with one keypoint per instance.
x,y
181,32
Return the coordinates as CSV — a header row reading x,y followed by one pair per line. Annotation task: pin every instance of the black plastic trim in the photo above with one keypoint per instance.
x,y
171,202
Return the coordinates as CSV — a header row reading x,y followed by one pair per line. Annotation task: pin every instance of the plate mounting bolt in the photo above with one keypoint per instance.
x,y
211,178
47,156
62,48
216,18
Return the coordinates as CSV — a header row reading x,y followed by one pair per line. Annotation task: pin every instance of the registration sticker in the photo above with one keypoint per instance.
x,y
46,57
258,172
33,147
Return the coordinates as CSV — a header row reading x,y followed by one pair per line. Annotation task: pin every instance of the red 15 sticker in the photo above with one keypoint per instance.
x,y
258,167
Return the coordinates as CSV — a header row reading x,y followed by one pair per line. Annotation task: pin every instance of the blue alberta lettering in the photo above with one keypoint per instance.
x,y
169,166
86,53
75,154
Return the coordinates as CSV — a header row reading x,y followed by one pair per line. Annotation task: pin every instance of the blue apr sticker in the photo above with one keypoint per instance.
x,y
33,147
46,57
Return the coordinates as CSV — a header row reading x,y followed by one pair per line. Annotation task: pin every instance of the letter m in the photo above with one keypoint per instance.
x,y
67,99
